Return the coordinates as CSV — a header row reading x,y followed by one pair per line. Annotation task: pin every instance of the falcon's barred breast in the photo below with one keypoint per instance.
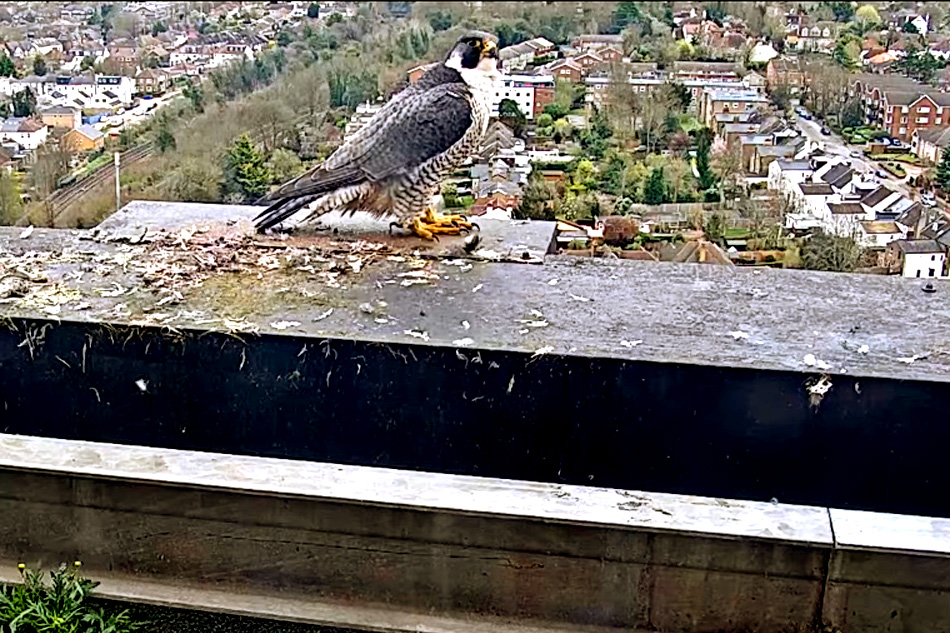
x,y
396,163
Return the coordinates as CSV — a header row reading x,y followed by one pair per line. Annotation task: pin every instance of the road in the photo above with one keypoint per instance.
x,y
835,145
136,115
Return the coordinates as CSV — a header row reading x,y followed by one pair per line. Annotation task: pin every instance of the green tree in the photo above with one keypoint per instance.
x,y
7,69
10,204
313,11
545,120
284,38
164,139
866,18
335,18
852,114
943,170
909,27
284,165
714,227
24,102
440,20
707,179
539,199
245,175
843,11
846,51
823,251
39,66
87,63
654,191
158,27
195,95
450,195
511,115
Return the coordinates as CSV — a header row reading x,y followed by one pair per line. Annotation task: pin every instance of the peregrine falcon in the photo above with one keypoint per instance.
x,y
395,164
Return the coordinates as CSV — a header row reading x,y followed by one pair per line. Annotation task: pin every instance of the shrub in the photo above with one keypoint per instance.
x,y
60,606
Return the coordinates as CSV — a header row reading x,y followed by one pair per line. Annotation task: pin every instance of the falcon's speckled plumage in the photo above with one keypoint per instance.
x,y
396,163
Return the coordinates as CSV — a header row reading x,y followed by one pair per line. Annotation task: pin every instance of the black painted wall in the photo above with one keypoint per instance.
x,y
743,433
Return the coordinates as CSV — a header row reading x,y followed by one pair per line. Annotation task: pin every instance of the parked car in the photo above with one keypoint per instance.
x,y
825,130
928,199
856,154
880,173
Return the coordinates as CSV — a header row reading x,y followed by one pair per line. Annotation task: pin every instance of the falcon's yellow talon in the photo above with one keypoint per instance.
x,y
432,223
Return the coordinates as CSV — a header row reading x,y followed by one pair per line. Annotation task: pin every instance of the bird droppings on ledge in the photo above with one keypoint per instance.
x,y
202,268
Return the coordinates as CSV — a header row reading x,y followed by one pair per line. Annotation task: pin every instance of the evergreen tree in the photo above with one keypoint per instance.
x,y
313,11
164,139
245,175
39,66
943,169
24,103
654,191
703,142
511,115
7,69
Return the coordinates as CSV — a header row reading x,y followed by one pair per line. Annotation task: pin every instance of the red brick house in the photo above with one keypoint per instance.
x,y
901,105
610,54
567,69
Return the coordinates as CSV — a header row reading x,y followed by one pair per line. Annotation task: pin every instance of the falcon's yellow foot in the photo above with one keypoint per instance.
x,y
432,224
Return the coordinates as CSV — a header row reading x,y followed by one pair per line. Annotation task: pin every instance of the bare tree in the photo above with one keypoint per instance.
x,y
726,162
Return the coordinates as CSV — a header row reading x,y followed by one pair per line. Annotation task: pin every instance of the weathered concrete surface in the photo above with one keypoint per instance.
x,y
377,549
648,311
446,546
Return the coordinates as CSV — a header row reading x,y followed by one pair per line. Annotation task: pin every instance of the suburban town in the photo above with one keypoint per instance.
x,y
759,135
665,350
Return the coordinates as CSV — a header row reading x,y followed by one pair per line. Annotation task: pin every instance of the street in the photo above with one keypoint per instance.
x,y
835,145
133,116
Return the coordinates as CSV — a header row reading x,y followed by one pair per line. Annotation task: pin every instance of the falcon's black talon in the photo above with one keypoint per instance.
x,y
392,224
476,227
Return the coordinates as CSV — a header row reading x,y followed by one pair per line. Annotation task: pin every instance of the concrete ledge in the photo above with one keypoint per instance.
x,y
387,550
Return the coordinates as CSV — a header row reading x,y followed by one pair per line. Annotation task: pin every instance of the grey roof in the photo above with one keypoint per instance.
x,y
794,165
911,215
708,67
877,196
839,175
918,247
57,109
939,136
846,208
90,132
816,189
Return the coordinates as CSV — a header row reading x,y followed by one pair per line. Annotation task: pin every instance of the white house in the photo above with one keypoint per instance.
x,y
917,258
27,133
522,89
879,233
84,92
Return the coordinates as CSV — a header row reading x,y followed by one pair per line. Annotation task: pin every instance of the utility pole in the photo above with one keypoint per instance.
x,y
118,200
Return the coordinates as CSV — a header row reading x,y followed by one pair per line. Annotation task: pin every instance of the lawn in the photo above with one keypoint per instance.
x,y
895,169
737,233
902,158
863,134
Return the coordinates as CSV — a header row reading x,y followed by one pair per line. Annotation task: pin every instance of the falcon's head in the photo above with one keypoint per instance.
x,y
475,55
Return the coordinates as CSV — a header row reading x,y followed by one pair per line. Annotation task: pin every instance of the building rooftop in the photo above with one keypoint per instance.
x,y
846,208
816,188
918,247
878,227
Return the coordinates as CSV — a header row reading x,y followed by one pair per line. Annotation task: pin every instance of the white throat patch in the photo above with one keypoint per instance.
x,y
481,78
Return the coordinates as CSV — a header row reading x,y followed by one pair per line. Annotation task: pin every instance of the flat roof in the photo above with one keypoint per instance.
x,y
430,290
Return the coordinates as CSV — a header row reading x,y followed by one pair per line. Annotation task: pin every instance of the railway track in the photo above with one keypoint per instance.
x,y
61,199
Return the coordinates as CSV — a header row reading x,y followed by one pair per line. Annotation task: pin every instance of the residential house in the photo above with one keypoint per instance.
x,y
685,71
587,61
595,42
61,117
565,69
541,46
151,81
920,23
715,102
27,133
928,144
124,52
516,57
879,233
818,37
762,53
530,92
785,71
84,138
611,54
917,258
86,92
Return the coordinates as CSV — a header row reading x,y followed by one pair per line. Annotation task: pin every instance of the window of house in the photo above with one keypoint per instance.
x,y
918,273
903,130
933,257
923,110
922,119
932,272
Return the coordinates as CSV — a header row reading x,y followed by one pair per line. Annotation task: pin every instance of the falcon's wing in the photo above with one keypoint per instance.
x,y
411,129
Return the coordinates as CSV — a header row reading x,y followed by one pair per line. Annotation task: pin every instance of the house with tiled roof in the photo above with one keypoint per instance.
x,y
929,143
901,105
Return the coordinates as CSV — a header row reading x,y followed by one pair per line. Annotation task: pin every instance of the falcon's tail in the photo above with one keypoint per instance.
x,y
281,210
